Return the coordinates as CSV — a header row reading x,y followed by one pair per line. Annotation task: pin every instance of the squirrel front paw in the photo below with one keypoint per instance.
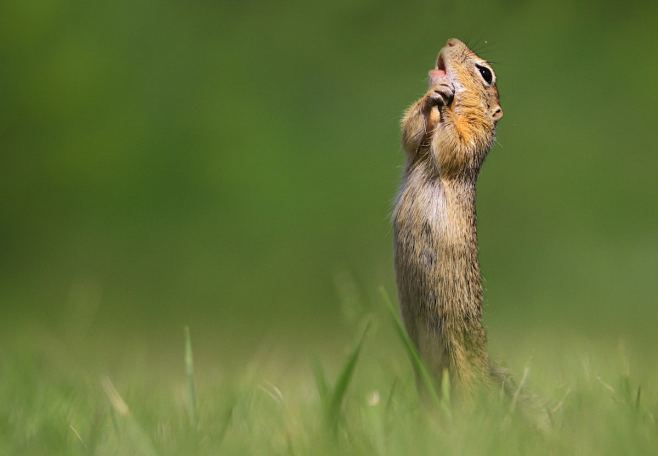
x,y
441,92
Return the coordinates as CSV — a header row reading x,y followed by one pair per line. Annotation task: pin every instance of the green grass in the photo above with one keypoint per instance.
x,y
355,398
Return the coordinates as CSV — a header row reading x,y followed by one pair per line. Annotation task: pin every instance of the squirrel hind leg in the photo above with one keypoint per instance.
x,y
432,351
441,354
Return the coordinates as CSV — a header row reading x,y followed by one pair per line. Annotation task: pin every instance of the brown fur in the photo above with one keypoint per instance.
x,y
446,135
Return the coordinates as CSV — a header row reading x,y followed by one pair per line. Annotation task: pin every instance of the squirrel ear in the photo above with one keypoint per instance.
x,y
497,113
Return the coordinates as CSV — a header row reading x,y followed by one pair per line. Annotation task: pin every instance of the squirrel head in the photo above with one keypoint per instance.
x,y
474,110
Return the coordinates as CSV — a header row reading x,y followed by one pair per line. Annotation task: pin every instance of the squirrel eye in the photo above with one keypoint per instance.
x,y
486,73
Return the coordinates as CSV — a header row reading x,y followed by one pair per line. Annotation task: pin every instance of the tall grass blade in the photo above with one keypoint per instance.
x,y
343,382
412,353
625,389
142,443
190,388
77,435
517,393
228,419
321,383
389,399
445,394
638,397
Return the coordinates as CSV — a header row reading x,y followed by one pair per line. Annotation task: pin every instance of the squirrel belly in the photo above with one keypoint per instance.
x,y
438,274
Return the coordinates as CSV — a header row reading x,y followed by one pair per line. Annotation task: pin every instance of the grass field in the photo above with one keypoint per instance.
x,y
230,166
351,395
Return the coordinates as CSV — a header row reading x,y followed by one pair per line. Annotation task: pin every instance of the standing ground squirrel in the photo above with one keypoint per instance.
x,y
446,135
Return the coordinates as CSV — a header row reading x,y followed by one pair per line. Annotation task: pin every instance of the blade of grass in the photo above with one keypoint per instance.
x,y
343,381
445,394
560,403
321,383
389,399
77,435
228,419
190,390
515,398
412,353
134,431
638,396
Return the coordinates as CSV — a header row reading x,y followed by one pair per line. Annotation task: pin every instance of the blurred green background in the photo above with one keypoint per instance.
x,y
231,165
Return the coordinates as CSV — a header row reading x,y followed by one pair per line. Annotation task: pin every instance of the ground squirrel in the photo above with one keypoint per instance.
x,y
446,135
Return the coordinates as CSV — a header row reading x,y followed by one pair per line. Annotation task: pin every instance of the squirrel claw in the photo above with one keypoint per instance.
x,y
441,94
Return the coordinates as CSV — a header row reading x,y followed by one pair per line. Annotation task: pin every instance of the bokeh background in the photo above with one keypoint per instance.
x,y
231,165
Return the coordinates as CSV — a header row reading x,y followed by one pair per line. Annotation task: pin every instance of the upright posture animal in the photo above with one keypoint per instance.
x,y
446,135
